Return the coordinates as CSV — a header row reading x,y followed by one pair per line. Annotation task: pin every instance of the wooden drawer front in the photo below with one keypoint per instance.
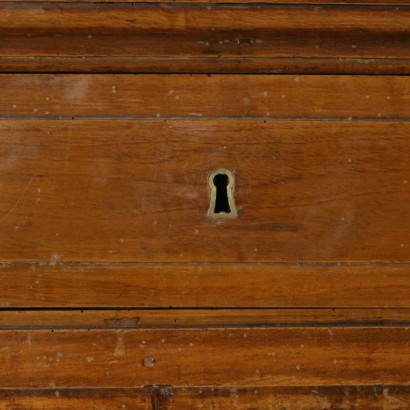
x,y
126,177
137,191
113,170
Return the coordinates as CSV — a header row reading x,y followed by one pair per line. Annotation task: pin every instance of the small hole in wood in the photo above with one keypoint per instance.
x,y
149,361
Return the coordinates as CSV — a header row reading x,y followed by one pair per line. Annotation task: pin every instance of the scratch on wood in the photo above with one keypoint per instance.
x,y
4,216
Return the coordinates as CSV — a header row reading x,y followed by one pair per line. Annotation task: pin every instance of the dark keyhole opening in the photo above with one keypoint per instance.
x,y
221,201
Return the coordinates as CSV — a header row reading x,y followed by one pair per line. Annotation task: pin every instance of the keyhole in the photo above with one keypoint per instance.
x,y
221,187
221,200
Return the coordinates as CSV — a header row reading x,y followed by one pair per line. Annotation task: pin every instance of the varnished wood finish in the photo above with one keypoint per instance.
x,y
203,96
295,398
69,399
208,285
117,291
281,2
137,191
329,356
167,397
238,398
204,65
183,37
98,18
192,318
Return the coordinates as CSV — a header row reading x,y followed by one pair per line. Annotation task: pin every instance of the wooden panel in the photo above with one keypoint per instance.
x,y
45,17
167,397
137,191
202,96
142,318
211,285
286,398
281,2
68,399
213,357
111,214
150,37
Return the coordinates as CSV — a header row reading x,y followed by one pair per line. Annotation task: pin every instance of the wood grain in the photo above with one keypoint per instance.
x,y
198,318
117,291
150,37
281,2
68,399
210,285
204,96
286,398
45,17
167,397
214,357
247,65
137,191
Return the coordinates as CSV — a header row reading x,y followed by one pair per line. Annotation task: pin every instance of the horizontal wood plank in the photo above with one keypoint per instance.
x,y
214,357
144,318
45,17
68,399
212,285
203,96
281,2
150,37
238,398
137,191
285,398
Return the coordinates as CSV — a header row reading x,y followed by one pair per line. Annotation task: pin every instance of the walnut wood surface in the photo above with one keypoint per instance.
x,y
247,65
282,398
211,285
137,191
46,17
69,399
167,397
192,318
329,356
203,38
281,2
238,398
116,290
204,96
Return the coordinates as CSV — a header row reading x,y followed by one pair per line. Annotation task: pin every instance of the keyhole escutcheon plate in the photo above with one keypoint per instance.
x,y
221,184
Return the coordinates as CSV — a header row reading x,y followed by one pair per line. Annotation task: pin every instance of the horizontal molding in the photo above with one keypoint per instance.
x,y
161,37
350,3
206,65
47,16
